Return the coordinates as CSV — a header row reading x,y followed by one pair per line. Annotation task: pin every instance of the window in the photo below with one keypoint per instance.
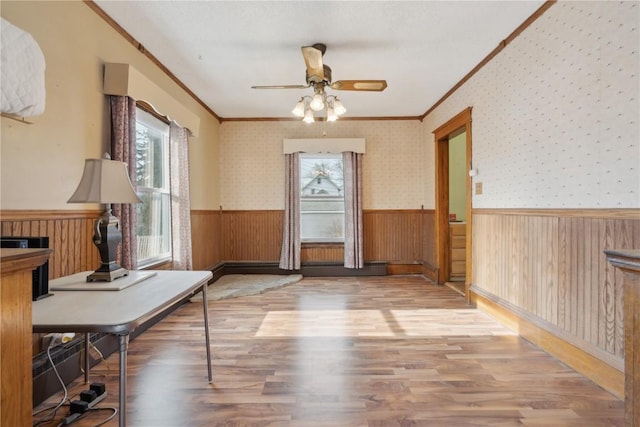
x,y
321,198
153,226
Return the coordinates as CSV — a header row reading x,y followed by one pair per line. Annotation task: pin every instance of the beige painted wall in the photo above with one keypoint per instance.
x,y
41,163
252,162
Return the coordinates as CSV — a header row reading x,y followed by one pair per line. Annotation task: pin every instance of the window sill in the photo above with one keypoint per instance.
x,y
322,244
161,264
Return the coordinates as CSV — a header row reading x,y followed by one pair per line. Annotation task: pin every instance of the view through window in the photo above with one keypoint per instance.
x,y
153,225
321,198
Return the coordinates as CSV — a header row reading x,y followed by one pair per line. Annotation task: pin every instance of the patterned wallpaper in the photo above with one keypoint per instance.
x,y
555,114
252,163
555,125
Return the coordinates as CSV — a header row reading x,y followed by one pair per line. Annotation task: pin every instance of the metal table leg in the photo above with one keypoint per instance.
x,y
206,329
86,358
124,344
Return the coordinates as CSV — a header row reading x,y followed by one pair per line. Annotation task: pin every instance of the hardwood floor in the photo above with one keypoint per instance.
x,y
361,351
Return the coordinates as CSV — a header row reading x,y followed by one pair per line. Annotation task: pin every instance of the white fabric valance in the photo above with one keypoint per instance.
x,y
124,80
323,145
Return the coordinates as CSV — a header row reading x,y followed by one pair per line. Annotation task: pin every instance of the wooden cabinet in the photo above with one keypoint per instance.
x,y
457,245
16,270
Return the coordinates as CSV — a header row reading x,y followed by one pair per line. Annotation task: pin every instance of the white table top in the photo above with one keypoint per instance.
x,y
111,311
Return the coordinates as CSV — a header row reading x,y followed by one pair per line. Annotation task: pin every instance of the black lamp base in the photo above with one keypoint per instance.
x,y
107,237
107,276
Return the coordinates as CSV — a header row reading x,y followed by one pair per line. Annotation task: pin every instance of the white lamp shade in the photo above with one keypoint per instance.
x,y
331,115
317,103
104,181
298,110
308,116
338,108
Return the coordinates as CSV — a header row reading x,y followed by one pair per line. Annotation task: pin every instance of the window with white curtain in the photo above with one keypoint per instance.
x,y
321,197
152,179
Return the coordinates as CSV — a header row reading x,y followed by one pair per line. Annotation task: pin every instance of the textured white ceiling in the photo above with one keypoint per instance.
x,y
219,49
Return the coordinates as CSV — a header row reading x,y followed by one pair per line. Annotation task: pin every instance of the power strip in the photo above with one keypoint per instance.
x,y
90,398
97,400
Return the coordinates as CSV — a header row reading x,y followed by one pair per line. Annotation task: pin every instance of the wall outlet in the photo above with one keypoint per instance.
x,y
478,188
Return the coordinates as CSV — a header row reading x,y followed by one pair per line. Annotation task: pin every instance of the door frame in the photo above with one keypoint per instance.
x,y
441,135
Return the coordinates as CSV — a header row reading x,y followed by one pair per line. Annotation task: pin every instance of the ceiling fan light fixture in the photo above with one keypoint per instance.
x,y
331,114
308,116
317,103
298,110
338,108
318,76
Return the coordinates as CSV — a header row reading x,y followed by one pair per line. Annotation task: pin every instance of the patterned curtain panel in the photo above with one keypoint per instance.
x,y
180,200
123,148
290,255
353,247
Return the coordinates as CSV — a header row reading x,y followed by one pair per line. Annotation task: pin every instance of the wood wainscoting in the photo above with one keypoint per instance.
x,y
393,235
548,269
329,252
205,238
403,238
251,235
70,236
400,237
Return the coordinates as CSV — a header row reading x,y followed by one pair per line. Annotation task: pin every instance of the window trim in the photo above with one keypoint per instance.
x,y
166,257
323,145
326,239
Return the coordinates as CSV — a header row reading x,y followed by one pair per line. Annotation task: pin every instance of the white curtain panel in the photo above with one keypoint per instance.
x,y
180,199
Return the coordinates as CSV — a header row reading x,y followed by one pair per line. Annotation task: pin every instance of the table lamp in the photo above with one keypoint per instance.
x,y
106,181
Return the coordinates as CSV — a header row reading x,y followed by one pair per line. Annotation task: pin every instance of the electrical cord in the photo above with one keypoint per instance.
x,y
54,409
46,420
39,422
103,422
72,418
64,388
101,357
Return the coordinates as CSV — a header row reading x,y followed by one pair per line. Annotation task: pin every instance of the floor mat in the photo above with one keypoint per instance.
x,y
236,285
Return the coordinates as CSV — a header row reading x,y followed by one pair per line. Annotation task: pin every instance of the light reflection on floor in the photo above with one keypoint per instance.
x,y
379,323
316,374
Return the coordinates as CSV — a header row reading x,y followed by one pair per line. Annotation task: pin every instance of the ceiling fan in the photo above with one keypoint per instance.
x,y
318,76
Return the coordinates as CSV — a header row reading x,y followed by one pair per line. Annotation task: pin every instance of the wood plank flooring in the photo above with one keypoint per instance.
x,y
357,351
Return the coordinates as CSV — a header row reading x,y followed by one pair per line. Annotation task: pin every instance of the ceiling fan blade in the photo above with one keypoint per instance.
x,y
363,85
313,59
281,87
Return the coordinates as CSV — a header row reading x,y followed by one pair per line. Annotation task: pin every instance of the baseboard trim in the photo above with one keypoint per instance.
x,y
399,268
217,271
609,376
329,269
430,272
308,269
